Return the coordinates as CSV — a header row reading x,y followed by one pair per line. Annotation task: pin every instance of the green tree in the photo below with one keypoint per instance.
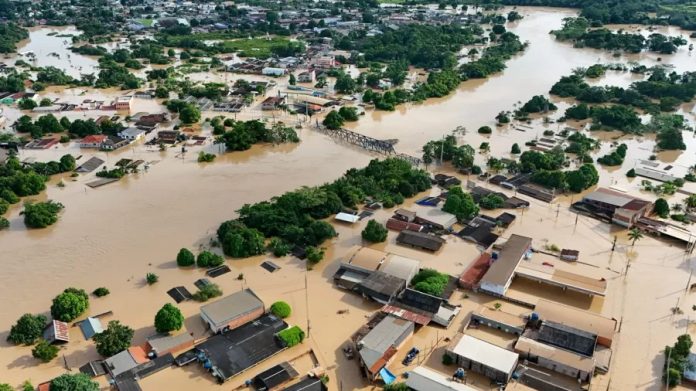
x,y
115,339
634,234
41,214
281,309
374,232
185,258
209,259
190,114
7,387
485,130
333,120
240,241
151,278
49,124
661,208
460,204
292,80
314,254
26,104
430,281
76,382
291,336
44,351
207,292
348,113
101,292
70,304
515,149
279,247
168,318
27,329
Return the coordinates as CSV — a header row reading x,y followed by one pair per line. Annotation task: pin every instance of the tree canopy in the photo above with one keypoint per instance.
x,y
374,232
168,318
27,329
76,382
115,339
70,304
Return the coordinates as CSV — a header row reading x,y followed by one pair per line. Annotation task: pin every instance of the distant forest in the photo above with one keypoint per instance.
x,y
675,12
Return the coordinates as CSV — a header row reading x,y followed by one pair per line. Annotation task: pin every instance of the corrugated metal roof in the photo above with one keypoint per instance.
x,y
232,306
486,353
424,379
509,257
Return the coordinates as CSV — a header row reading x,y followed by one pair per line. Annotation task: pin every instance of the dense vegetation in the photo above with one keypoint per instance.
x,y
374,232
10,34
76,382
41,214
579,32
462,157
243,134
676,360
295,217
27,329
430,281
614,158
207,292
460,204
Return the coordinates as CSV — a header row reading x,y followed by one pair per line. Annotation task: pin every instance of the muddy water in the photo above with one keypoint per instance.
x,y
114,235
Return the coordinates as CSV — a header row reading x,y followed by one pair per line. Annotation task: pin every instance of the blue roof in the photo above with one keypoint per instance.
x,y
91,326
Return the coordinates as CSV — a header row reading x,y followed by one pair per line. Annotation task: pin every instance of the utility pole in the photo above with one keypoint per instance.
x,y
306,301
613,246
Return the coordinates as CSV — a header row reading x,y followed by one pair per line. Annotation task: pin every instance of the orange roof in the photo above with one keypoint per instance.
x,y
94,138
44,386
475,272
138,353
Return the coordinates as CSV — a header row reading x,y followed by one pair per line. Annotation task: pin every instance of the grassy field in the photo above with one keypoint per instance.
x,y
145,22
255,47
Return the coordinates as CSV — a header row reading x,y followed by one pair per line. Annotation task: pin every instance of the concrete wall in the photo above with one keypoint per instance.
x,y
236,322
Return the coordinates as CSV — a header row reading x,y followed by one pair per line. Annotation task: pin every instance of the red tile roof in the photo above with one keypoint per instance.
x,y
407,315
475,272
94,138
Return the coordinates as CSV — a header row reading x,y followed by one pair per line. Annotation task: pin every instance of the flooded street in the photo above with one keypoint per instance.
x,y
113,235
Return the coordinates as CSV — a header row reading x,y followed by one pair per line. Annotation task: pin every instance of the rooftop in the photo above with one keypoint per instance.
x,y
402,267
485,353
583,320
424,379
235,351
529,346
232,306
383,337
509,257
419,239
165,343
367,258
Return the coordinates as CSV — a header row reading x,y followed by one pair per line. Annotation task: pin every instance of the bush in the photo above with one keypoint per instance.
x,y
4,223
208,259
515,149
314,254
41,214
281,309
115,339
374,232
430,281
151,278
168,318
239,241
279,247
292,336
101,292
631,173
185,258
485,130
492,201
77,382
333,120
661,208
44,351
204,157
27,329
70,304
207,292
447,359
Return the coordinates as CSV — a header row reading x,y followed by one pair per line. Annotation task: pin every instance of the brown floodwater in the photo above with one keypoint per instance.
x,y
112,236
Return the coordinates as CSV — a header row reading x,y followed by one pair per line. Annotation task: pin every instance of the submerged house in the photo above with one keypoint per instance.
x,y
420,240
621,208
499,275
484,358
232,311
377,349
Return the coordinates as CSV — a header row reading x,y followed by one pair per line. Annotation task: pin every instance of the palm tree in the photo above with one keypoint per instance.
x,y
634,234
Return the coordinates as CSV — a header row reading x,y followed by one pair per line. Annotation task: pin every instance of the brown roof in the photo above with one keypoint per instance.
x,y
576,318
501,317
475,272
400,225
509,257
525,345
367,258
419,239
636,204
407,315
